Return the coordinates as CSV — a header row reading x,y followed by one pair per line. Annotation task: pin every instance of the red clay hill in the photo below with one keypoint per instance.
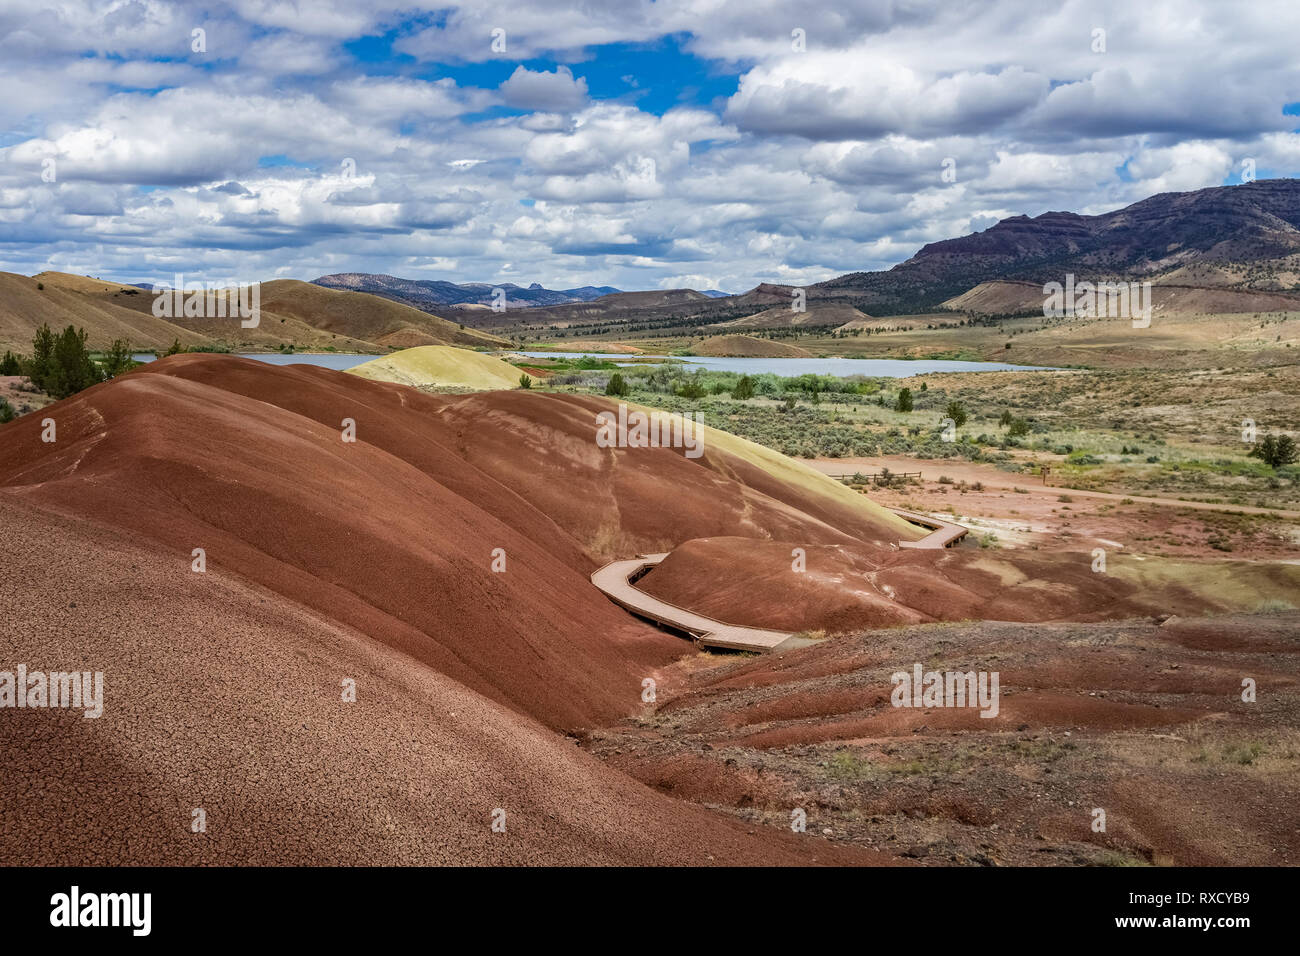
x,y
369,560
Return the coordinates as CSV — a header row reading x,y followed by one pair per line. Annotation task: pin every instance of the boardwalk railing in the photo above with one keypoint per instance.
x,y
943,534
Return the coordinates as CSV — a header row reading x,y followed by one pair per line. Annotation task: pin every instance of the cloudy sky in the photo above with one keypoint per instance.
x,y
703,143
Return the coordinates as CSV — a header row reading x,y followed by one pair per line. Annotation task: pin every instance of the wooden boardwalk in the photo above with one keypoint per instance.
x,y
613,579
944,534
616,581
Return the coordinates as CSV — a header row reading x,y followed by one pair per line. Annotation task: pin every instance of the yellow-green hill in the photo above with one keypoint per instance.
x,y
440,365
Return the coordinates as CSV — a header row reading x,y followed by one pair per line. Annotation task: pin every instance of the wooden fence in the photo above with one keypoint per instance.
x,y
879,476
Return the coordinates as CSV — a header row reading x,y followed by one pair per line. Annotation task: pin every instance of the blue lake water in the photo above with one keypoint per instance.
x,y
839,367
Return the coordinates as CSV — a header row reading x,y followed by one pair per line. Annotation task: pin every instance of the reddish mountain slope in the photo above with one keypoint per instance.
x,y
394,534
222,696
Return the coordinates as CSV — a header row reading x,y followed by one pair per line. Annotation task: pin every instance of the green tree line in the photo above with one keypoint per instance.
x,y
60,364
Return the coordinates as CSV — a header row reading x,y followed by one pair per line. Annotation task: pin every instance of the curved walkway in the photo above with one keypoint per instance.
x,y
944,534
615,580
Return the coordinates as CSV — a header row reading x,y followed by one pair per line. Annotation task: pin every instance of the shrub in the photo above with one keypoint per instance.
x,y
42,363
957,412
75,370
904,401
691,390
1275,450
7,413
11,364
744,388
61,365
617,385
525,381
117,359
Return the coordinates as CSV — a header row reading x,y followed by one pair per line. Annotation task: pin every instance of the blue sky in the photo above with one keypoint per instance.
x,y
644,145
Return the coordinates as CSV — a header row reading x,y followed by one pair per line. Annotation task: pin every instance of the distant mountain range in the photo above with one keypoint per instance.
x,y
432,294
428,294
